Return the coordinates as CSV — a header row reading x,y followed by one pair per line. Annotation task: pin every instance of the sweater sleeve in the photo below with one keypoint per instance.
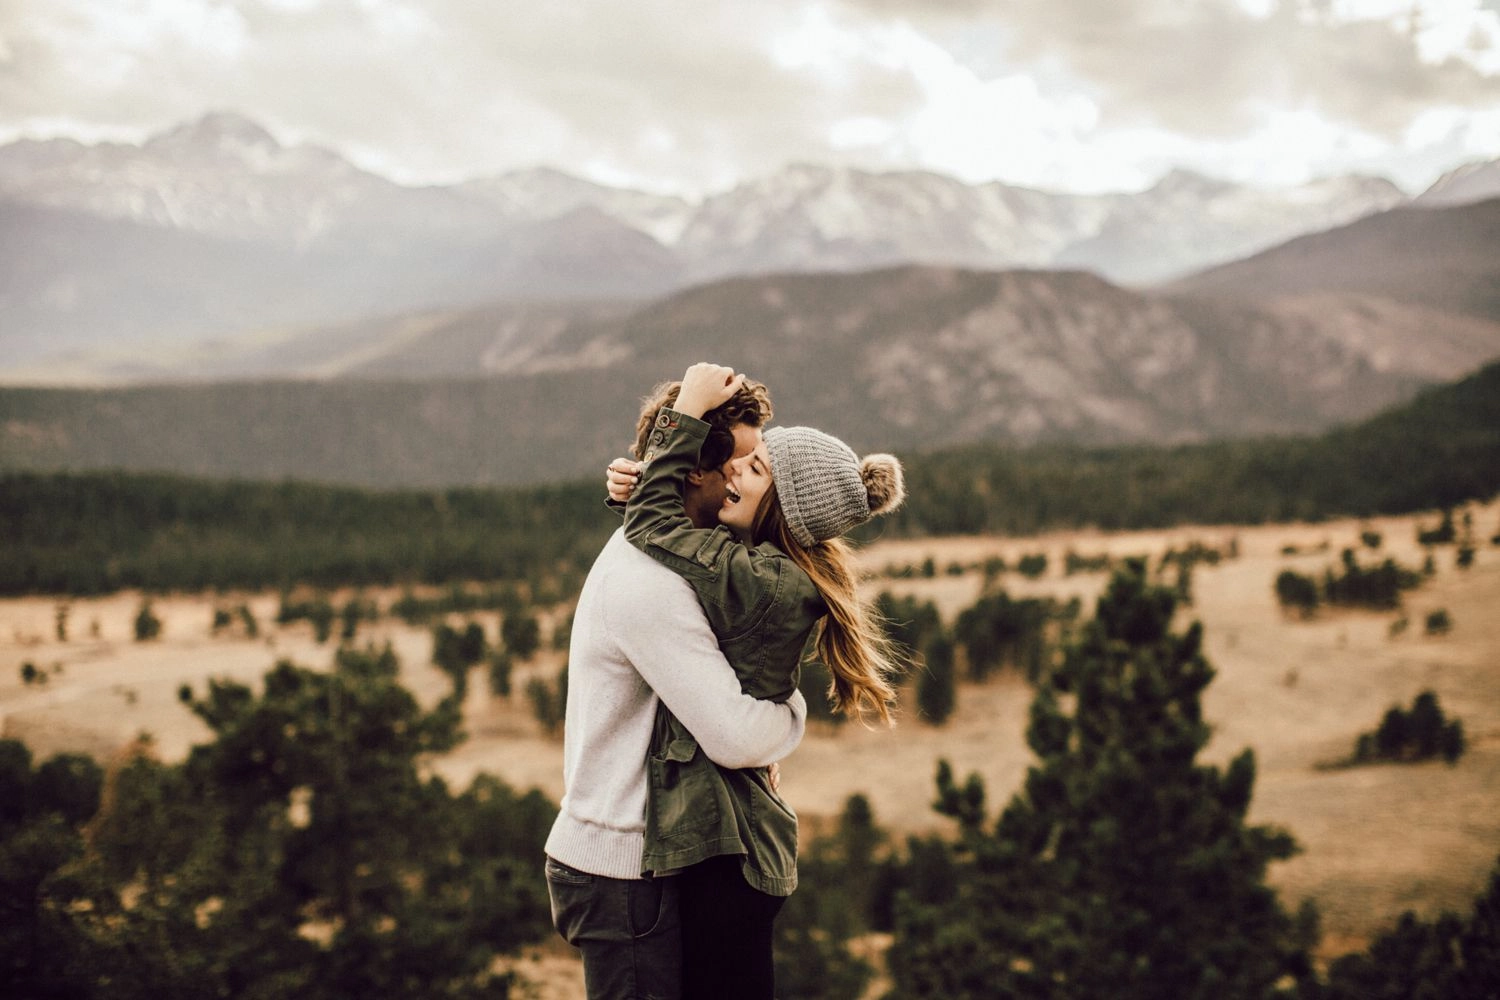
x,y
661,628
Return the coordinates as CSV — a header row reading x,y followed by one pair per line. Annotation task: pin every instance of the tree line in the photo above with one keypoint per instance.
x,y
98,533
1438,451
93,533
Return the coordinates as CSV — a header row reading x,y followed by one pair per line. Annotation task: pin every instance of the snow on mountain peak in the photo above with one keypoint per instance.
x,y
1181,183
227,175
222,174
220,131
542,193
1469,183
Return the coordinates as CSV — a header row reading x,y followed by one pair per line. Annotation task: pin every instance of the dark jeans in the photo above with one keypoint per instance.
x,y
629,931
726,933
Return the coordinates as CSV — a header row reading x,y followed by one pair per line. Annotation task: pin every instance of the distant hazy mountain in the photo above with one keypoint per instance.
x,y
225,176
904,358
1465,185
1188,222
807,218
839,219
1445,259
120,257
503,338
545,193
1412,292
213,241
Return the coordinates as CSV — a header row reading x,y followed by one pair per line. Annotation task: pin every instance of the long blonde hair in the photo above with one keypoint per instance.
x,y
850,639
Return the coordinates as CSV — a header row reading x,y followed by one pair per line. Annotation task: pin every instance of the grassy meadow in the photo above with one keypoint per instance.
x,y
1376,840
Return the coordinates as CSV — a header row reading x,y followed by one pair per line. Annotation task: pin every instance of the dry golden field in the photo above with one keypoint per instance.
x,y
1375,840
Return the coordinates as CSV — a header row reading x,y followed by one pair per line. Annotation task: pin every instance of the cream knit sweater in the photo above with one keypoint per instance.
x,y
639,635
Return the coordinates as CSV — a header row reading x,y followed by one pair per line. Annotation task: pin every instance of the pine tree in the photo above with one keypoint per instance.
x,y
813,961
147,625
521,634
1123,869
42,817
997,630
937,691
908,621
305,852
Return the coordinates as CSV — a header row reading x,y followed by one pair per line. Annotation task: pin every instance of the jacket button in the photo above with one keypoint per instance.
x,y
658,438
662,420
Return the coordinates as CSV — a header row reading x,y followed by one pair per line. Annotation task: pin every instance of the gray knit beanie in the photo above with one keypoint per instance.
x,y
824,488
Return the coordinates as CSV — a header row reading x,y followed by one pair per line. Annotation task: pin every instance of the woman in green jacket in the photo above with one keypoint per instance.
x,y
771,574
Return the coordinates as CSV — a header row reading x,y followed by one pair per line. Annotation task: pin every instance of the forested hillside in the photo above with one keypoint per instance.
x,y
90,533
1441,449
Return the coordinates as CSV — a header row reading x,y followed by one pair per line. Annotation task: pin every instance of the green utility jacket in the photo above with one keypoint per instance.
x,y
762,607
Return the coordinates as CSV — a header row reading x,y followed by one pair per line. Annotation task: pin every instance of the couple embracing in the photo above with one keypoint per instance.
x,y
673,851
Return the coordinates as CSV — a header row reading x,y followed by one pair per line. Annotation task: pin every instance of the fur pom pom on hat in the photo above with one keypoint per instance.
x,y
824,488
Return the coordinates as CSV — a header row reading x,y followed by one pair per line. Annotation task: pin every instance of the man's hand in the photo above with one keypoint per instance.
x,y
621,478
705,386
773,775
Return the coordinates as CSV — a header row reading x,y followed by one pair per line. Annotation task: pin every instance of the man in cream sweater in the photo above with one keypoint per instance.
x,y
639,636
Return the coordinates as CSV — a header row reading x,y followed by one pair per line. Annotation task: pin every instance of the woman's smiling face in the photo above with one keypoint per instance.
x,y
748,481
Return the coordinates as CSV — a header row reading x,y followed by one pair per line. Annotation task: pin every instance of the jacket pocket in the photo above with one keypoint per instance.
x,y
683,795
773,823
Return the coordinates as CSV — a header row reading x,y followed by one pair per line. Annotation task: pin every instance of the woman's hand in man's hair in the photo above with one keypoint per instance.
x,y
706,386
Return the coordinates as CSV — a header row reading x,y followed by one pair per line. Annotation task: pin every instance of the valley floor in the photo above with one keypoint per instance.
x,y
1375,840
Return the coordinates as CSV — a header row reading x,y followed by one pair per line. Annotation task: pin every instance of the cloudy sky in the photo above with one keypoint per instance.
x,y
691,96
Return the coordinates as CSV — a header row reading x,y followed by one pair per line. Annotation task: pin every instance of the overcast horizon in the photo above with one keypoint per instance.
x,y
675,97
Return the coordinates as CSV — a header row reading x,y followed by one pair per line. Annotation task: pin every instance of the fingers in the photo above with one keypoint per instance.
x,y
706,373
622,469
620,478
706,386
707,379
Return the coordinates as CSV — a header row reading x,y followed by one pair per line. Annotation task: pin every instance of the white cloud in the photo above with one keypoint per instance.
x,y
1475,132
1467,30
1001,127
862,133
954,120
1258,8
681,95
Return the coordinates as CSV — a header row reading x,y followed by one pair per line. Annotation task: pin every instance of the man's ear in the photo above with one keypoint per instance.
x,y
695,478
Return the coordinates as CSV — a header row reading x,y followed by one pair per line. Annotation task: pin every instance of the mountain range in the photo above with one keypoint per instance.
x,y
247,309
213,241
1296,339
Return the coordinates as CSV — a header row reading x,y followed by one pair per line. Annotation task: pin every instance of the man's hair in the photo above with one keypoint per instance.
x,y
750,405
